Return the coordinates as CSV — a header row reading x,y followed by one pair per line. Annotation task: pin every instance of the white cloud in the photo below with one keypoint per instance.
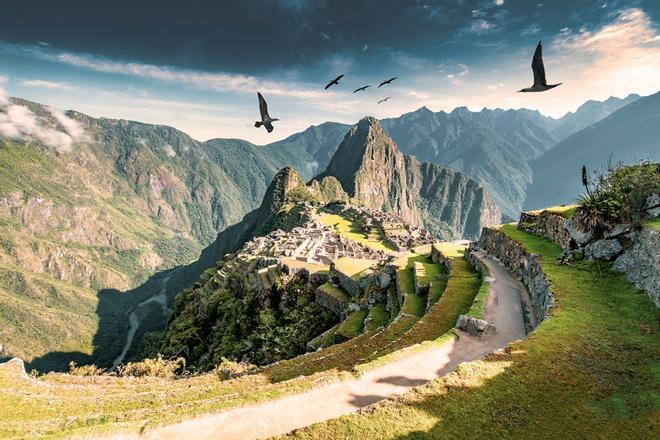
x,y
499,2
45,84
418,95
222,82
481,26
18,122
458,75
622,56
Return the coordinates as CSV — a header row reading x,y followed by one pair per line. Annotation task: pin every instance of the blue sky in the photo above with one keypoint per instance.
x,y
198,65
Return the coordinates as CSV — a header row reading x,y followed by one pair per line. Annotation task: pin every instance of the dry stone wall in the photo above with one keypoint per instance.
x,y
525,266
641,262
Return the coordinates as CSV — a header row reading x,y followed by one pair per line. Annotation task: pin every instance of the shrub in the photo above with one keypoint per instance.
x,y
85,370
158,367
228,369
618,195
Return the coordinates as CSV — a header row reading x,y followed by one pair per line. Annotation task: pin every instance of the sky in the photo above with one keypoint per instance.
x,y
197,65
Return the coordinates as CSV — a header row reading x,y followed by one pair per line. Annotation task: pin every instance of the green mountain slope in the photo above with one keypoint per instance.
x,y
627,135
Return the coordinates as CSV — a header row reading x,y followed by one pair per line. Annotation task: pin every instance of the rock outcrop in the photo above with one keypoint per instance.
x,y
641,262
546,224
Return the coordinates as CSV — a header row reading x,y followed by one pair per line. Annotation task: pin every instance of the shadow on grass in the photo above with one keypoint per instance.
x,y
114,306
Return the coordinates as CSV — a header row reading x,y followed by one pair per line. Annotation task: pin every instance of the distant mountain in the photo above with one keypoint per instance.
x,y
493,147
629,134
588,113
376,174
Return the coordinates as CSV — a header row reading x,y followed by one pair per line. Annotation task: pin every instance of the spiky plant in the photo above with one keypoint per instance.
x,y
585,179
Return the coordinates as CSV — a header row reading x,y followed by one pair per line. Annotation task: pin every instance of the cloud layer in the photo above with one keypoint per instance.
x,y
18,122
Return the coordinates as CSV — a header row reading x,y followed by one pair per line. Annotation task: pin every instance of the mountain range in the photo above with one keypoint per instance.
x,y
83,230
630,134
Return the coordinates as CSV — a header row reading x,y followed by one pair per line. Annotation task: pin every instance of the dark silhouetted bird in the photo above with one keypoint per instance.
x,y
334,82
540,85
387,81
266,120
384,99
361,89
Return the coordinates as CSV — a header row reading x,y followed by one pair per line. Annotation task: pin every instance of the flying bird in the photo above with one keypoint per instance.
x,y
387,81
334,82
266,120
540,84
384,99
361,89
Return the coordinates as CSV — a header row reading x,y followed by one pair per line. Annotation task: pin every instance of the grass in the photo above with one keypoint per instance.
x,y
378,317
653,223
352,326
325,339
590,370
477,308
335,292
352,266
462,287
450,249
311,267
436,275
353,230
565,211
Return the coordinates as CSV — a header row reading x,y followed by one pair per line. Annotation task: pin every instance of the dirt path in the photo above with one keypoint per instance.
x,y
280,416
134,320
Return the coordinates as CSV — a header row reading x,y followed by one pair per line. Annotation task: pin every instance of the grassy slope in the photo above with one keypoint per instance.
x,y
591,370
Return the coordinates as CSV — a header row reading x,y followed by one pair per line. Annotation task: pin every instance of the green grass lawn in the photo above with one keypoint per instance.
x,y
353,325
352,229
378,317
590,370
352,266
653,224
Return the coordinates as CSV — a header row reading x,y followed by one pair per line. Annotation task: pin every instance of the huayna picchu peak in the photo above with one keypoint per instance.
x,y
376,174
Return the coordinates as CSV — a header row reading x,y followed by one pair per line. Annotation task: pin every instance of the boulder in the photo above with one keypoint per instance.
x,y
577,234
474,326
605,249
384,279
652,205
617,230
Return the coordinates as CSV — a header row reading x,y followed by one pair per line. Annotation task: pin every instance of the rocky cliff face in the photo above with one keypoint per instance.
x,y
376,174
373,171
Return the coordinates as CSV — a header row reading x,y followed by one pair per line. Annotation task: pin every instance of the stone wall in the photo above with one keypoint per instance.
x,y
525,266
641,262
548,225
330,302
347,283
475,262
438,258
421,289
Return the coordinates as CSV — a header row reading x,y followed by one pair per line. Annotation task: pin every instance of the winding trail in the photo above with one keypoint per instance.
x,y
267,419
134,320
